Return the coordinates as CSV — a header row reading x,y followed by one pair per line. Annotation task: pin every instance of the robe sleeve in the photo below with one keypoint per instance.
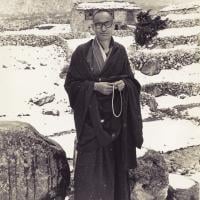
x,y
79,89
134,117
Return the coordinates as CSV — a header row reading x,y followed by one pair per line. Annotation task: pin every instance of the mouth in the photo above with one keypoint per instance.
x,y
104,34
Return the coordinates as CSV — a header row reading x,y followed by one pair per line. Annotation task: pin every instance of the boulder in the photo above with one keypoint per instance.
x,y
52,112
150,100
151,68
42,98
182,188
150,179
32,167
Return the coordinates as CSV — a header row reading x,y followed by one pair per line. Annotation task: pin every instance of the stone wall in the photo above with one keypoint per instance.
x,y
33,40
174,89
183,23
166,42
171,59
123,33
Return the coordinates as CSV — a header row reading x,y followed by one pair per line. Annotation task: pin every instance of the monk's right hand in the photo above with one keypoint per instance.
x,y
103,87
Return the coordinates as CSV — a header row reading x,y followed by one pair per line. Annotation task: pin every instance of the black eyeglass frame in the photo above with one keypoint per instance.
x,y
106,24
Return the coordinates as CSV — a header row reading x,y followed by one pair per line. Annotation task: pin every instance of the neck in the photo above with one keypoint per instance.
x,y
105,44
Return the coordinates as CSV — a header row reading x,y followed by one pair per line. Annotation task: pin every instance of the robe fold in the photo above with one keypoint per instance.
x,y
106,144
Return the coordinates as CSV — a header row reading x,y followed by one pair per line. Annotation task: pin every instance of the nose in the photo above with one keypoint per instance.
x,y
103,27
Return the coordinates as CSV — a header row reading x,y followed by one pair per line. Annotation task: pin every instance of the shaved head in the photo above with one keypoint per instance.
x,y
106,12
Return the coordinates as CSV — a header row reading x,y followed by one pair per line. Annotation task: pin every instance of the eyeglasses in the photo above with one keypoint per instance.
x,y
107,24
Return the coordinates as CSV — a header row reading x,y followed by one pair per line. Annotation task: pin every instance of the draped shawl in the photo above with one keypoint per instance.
x,y
88,105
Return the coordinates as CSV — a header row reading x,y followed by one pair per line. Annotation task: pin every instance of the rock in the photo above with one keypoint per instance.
x,y
43,64
56,84
157,92
51,112
182,188
197,56
198,39
23,115
64,71
27,67
149,100
150,178
42,98
31,166
151,68
182,96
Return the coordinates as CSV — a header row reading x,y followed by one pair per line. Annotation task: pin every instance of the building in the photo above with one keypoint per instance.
x,y
124,14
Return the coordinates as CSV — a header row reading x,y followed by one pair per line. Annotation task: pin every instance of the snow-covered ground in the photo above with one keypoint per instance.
x,y
183,5
56,29
166,135
188,47
169,101
107,5
18,85
177,17
27,71
175,32
126,41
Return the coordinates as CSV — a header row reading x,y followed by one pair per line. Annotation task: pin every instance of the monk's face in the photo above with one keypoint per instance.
x,y
103,26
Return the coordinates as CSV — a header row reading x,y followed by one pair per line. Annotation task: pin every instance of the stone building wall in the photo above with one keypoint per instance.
x,y
79,24
30,7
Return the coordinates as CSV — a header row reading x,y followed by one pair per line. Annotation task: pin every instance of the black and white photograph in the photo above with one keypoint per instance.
x,y
100,100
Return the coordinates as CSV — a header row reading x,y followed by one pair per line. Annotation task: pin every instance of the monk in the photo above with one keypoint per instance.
x,y
104,96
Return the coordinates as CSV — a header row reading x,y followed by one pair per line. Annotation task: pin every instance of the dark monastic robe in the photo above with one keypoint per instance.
x,y
106,144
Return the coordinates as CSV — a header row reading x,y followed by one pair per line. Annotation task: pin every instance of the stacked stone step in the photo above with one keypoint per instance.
x,y
182,20
171,49
175,36
171,54
171,58
182,16
185,16
184,8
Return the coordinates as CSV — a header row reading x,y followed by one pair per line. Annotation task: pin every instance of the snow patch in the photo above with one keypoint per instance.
x,y
107,5
167,135
126,41
187,47
180,182
175,32
186,5
169,101
193,112
181,17
66,142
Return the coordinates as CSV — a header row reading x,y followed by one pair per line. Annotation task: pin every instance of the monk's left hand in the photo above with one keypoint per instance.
x,y
119,85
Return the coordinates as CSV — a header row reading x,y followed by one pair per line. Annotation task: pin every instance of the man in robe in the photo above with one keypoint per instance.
x,y
104,96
